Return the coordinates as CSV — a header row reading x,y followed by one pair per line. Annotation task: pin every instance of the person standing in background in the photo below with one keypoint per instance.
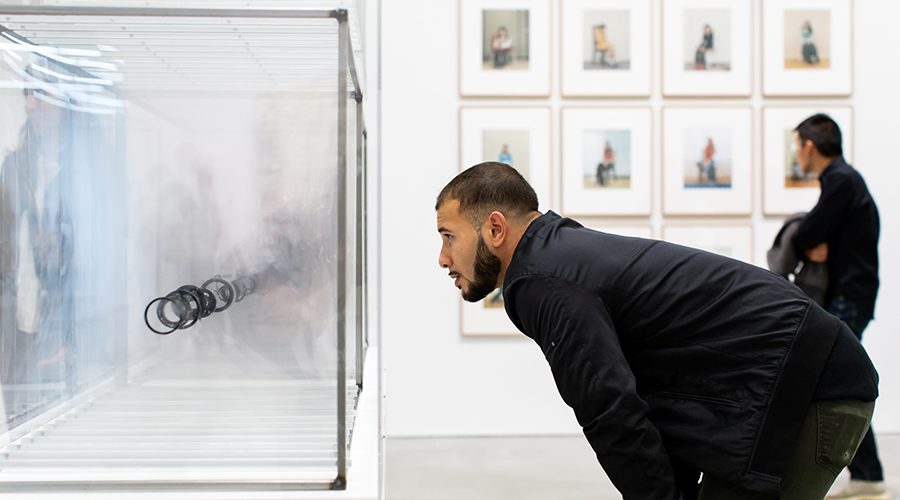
x,y
842,231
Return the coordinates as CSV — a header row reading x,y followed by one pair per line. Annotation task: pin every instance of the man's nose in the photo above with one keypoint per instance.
x,y
443,260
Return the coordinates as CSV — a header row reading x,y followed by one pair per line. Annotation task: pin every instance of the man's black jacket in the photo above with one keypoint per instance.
x,y
673,357
847,219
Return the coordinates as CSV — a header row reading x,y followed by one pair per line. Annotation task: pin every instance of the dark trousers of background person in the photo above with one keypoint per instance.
x,y
865,465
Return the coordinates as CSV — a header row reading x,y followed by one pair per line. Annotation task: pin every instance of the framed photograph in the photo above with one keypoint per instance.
x,y
732,240
606,163
519,137
605,49
504,48
807,47
707,159
707,48
787,189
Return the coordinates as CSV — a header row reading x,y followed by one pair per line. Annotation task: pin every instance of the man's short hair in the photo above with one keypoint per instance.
x,y
824,134
487,187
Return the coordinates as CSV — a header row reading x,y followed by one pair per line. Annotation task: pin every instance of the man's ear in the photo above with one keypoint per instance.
x,y
809,146
497,227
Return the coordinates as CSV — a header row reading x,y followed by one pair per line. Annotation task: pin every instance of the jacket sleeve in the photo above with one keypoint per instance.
x,y
580,343
828,215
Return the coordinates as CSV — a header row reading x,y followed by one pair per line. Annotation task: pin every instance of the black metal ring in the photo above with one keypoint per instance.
x,y
177,301
193,313
225,292
206,301
209,302
147,320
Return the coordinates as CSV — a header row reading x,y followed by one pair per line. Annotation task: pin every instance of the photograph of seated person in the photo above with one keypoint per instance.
x,y
501,46
810,53
604,51
706,45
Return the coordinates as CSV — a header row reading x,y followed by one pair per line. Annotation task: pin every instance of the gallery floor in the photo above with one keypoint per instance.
x,y
532,468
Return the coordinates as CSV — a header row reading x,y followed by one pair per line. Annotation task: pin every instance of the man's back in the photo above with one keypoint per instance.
x,y
846,218
657,292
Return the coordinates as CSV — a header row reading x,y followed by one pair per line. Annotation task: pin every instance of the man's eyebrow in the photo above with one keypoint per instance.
x,y
443,229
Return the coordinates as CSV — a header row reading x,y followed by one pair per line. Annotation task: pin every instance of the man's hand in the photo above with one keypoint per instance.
x,y
818,254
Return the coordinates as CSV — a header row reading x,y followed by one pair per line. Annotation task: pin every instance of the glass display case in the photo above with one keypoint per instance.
x,y
183,292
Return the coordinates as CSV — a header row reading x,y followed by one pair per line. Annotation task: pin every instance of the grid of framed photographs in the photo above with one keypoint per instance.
x,y
602,142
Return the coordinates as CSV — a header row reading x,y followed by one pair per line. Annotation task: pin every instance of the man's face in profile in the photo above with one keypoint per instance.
x,y
474,269
803,154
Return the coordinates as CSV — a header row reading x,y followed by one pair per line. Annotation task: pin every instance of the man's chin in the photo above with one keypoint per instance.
x,y
473,297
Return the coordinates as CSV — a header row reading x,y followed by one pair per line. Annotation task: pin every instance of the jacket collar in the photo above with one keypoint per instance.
x,y
537,224
835,164
521,248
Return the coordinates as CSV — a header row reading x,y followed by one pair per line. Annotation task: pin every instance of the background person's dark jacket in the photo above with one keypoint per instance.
x,y
674,358
845,217
811,277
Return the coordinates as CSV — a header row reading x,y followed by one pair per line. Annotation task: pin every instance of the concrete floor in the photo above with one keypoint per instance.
x,y
523,468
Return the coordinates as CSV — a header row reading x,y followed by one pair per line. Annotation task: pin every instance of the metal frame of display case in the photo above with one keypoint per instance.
x,y
346,69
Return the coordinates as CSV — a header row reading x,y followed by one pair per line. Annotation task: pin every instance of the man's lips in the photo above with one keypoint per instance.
x,y
456,278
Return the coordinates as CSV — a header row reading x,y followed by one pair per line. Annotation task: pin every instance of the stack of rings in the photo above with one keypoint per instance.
x,y
188,304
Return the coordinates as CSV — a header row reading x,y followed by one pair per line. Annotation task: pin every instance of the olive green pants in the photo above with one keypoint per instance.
x,y
828,440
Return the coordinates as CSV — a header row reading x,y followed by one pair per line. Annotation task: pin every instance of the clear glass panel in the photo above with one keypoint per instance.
x,y
61,272
172,181
352,239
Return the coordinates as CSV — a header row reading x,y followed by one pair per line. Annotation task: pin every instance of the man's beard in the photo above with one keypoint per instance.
x,y
486,274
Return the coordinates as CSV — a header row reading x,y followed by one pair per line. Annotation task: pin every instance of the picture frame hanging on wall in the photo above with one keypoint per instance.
x,y
707,47
732,240
606,161
605,48
504,48
787,189
707,161
520,137
807,47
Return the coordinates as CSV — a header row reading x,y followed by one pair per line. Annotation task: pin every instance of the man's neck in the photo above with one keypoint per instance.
x,y
509,247
820,163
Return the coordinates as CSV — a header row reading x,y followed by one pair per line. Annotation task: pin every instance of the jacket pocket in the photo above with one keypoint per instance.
x,y
702,398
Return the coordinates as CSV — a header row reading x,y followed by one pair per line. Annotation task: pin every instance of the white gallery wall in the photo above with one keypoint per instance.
x,y
439,383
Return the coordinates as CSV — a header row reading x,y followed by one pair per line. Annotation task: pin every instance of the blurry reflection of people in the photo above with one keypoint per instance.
x,y
505,156
706,45
810,53
36,315
501,47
